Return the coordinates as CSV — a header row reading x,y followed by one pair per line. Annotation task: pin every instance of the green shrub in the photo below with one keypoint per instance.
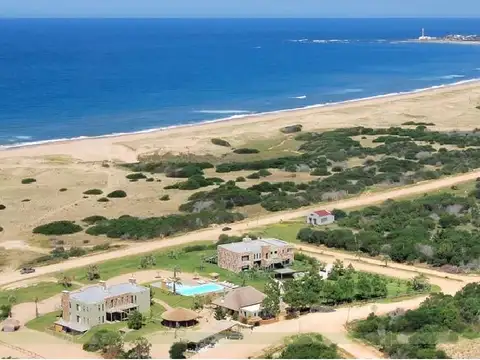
x,y
220,142
2,207
62,227
323,171
246,151
117,194
1,229
148,228
28,181
93,192
63,189
254,175
150,180
136,176
291,129
103,199
240,179
165,198
26,200
94,219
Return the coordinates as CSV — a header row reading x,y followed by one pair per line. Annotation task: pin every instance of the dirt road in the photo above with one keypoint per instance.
x,y
213,233
332,325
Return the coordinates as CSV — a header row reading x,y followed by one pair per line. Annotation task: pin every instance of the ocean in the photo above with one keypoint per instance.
x,y
65,78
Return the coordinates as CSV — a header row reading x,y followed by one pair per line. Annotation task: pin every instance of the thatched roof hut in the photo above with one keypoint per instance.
x,y
179,317
10,325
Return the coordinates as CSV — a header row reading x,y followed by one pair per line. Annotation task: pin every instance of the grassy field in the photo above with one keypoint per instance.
x,y
152,324
41,291
190,262
44,321
129,264
174,300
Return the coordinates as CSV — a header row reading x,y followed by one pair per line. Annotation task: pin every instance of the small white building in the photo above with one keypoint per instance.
x,y
321,217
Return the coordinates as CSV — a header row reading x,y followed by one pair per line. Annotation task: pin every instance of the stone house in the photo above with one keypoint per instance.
x,y
99,304
249,254
321,217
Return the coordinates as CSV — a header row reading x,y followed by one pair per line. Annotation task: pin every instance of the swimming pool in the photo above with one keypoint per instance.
x,y
187,290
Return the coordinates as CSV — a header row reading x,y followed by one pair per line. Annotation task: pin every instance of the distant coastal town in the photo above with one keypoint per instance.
x,y
453,38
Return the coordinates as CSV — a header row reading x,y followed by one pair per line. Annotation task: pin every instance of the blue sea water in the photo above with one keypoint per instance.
x,y
70,78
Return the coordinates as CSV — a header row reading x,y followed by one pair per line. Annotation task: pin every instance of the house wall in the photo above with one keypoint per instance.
x,y
87,314
95,314
320,220
231,260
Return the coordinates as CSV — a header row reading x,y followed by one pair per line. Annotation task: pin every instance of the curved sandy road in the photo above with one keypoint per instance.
x,y
363,200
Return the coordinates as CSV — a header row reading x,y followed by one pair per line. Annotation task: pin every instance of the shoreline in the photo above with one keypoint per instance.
x,y
109,140
439,41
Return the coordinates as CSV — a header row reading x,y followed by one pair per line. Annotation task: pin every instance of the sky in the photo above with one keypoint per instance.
x,y
239,8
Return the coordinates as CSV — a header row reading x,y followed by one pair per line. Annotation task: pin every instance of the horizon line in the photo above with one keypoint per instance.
x,y
7,17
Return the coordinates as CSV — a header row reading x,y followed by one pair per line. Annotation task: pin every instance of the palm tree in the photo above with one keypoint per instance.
x,y
36,307
175,280
12,300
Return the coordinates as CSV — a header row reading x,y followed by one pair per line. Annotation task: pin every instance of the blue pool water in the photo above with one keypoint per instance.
x,y
187,290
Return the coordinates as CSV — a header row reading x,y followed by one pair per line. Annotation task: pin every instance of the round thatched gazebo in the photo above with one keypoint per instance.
x,y
179,317
10,325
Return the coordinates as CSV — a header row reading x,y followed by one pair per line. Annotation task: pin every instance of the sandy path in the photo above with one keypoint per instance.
x,y
211,234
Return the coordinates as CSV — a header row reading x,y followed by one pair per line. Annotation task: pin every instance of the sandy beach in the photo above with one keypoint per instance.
x,y
449,107
65,170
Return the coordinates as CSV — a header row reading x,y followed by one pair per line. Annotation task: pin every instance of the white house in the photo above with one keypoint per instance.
x,y
321,217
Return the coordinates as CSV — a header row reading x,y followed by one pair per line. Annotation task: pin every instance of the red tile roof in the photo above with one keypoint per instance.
x,y
323,212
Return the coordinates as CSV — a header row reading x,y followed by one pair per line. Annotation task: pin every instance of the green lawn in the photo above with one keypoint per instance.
x,y
152,324
187,262
44,321
41,291
128,264
174,300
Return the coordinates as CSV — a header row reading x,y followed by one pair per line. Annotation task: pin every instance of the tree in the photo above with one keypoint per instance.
x,y
65,281
177,350
175,279
152,295
386,258
93,273
140,350
135,320
219,313
5,311
420,283
309,346
271,303
108,341
197,303
36,307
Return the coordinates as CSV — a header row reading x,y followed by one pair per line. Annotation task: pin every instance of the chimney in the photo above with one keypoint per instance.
x,y
65,302
132,281
103,284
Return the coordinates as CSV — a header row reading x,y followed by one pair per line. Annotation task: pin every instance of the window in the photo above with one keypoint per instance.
x,y
78,319
99,319
78,307
70,305
245,258
99,310
103,307
103,319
